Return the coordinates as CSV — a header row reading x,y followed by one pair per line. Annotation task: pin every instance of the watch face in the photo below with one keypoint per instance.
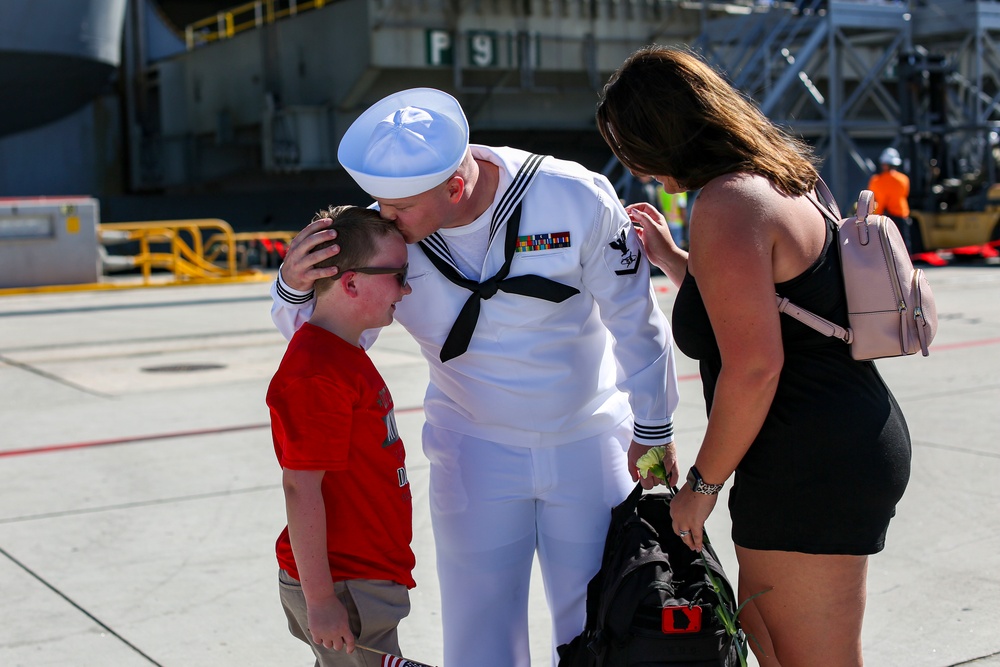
x,y
692,479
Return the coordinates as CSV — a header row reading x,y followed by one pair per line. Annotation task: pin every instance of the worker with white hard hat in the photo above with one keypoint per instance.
x,y
891,188
551,365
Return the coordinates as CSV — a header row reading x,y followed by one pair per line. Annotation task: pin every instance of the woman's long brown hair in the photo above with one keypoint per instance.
x,y
665,112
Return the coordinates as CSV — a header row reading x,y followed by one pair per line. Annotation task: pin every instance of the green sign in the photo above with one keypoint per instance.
x,y
481,48
440,49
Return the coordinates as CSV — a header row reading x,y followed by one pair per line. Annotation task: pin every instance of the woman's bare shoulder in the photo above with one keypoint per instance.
x,y
747,195
739,186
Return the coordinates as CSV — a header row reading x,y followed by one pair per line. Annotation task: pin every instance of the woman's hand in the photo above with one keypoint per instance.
x,y
689,511
653,231
298,268
654,234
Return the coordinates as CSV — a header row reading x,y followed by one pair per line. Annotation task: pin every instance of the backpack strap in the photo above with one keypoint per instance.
x,y
823,199
813,321
828,208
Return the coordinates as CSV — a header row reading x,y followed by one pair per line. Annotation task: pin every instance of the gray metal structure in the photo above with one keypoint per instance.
x,y
55,57
280,96
854,77
262,109
49,241
849,76
955,127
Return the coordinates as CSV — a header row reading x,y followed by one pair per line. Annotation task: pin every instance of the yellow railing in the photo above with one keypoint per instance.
x,y
176,246
248,16
265,249
181,252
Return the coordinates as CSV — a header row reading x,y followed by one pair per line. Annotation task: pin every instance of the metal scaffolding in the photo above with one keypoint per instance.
x,y
850,76
853,77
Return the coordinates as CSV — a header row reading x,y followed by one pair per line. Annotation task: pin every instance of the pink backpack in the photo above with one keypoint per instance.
x,y
890,305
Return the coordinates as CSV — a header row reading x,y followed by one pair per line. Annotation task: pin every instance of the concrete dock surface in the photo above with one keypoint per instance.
x,y
140,497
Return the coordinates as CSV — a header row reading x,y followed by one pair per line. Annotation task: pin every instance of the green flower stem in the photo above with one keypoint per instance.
x,y
726,617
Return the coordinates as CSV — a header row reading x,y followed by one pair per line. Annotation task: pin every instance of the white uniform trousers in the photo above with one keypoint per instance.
x,y
492,507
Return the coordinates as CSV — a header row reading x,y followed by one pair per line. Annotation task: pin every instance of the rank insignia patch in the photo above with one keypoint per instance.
x,y
624,252
548,241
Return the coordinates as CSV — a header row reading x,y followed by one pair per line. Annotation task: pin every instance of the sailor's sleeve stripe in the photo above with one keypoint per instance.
x,y
657,432
292,297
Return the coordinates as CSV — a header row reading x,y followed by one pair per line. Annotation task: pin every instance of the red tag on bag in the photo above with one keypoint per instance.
x,y
681,619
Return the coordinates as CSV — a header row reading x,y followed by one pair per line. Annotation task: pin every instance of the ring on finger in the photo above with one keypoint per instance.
x,y
684,533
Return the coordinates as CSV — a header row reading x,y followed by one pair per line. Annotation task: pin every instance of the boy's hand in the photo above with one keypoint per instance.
x,y
329,624
297,268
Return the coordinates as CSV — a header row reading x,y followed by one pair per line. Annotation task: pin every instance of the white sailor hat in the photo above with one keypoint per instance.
x,y
406,143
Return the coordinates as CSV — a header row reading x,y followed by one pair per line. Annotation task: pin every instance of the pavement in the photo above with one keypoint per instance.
x,y
140,498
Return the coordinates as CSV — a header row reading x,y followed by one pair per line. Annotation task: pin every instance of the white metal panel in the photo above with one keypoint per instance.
x,y
48,241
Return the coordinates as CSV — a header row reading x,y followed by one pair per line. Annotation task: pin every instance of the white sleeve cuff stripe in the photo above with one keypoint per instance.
x,y
292,296
657,432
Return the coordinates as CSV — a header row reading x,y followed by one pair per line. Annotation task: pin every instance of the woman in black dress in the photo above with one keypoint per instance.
x,y
819,447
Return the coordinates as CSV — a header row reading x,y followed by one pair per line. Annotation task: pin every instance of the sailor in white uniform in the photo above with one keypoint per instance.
x,y
549,360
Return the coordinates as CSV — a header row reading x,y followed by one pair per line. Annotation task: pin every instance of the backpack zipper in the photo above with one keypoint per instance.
x,y
894,279
918,313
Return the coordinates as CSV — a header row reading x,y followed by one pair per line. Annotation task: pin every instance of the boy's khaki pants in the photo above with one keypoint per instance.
x,y
374,609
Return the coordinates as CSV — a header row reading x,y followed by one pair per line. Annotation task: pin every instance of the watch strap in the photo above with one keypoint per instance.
x,y
699,485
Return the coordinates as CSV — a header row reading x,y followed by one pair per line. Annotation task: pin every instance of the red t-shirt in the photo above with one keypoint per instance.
x,y
330,410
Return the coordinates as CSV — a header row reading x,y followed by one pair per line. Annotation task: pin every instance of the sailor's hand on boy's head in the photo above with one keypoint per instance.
x,y
297,268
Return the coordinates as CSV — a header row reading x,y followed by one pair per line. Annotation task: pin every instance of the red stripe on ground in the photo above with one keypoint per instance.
x,y
964,344
135,438
45,449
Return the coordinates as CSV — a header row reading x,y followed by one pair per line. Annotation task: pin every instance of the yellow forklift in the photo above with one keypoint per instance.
x,y
952,152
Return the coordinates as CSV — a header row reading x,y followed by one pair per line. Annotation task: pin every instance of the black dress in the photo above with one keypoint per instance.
x,y
832,459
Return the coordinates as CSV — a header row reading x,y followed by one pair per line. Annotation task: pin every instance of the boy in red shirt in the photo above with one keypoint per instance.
x,y
345,559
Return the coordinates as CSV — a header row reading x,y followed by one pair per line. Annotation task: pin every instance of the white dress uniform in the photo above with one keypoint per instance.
x,y
526,429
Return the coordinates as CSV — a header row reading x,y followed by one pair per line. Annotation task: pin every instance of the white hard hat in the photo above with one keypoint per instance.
x,y
890,156
406,143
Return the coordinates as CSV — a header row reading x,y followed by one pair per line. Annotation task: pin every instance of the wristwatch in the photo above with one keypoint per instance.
x,y
698,485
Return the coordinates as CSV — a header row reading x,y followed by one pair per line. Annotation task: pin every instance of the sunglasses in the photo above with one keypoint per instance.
x,y
399,272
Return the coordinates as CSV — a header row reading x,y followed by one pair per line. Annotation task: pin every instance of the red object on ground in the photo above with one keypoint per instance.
x,y
931,258
985,250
